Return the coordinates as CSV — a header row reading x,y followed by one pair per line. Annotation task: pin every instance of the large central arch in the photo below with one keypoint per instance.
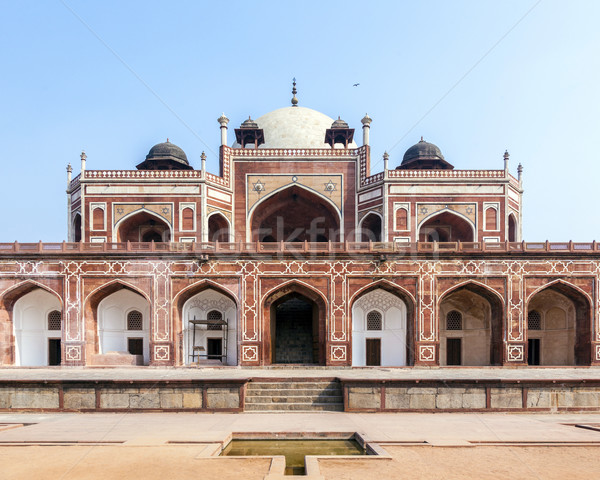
x,y
294,215
295,326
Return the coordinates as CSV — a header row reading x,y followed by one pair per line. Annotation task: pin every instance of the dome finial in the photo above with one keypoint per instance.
x,y
294,92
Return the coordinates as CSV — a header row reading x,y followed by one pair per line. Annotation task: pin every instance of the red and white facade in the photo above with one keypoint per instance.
x,y
304,256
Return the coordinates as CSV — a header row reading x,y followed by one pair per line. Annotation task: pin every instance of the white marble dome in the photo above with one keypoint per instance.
x,y
294,127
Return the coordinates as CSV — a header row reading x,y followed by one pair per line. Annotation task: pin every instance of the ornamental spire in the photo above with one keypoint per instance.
x,y
294,92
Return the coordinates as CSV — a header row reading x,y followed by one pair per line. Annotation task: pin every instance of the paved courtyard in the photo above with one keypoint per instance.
x,y
71,445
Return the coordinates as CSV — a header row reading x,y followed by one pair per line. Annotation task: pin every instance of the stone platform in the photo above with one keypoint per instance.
x,y
235,389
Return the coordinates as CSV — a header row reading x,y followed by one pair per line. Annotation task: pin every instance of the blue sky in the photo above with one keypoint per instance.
x,y
473,77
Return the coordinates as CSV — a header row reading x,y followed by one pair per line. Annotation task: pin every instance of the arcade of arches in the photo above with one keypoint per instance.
x,y
295,215
294,322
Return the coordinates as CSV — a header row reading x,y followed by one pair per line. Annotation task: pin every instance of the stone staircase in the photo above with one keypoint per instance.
x,y
293,395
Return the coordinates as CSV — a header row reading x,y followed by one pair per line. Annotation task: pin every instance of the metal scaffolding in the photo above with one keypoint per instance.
x,y
197,351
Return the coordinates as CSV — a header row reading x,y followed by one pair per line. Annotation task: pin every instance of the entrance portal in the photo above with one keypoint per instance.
x,y
293,330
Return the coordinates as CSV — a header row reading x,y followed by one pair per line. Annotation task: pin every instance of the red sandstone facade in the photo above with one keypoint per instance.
x,y
290,231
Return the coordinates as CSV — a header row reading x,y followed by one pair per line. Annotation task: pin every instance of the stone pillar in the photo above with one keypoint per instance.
x,y
162,338
515,339
427,344
73,336
339,338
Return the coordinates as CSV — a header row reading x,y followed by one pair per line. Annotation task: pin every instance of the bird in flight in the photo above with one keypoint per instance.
x,y
356,84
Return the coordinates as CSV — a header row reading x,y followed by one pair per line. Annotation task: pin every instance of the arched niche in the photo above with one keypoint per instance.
x,y
37,341
203,343
143,226
295,215
116,330
479,340
565,326
387,345
446,226
295,326
370,228
77,228
512,228
218,228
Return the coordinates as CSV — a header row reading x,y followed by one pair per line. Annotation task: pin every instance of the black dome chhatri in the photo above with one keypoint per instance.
x,y
424,156
165,156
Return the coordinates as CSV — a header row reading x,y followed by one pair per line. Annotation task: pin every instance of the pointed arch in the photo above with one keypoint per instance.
x,y
13,293
404,294
409,302
218,227
465,230
373,231
294,185
177,307
477,285
90,312
294,213
579,351
494,336
512,227
112,287
560,284
310,324
118,234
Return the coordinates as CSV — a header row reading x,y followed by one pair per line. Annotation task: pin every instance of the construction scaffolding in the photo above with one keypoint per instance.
x,y
196,348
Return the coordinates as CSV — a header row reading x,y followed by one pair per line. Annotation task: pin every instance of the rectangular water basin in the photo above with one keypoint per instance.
x,y
294,450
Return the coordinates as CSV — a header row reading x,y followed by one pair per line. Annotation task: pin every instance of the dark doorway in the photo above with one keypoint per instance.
x,y
453,351
135,346
214,348
371,228
54,351
533,349
294,338
373,352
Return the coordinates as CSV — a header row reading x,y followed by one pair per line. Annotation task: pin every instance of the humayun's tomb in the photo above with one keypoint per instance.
x,y
297,253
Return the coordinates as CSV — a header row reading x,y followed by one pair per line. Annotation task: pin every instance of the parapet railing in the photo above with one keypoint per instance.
x,y
142,248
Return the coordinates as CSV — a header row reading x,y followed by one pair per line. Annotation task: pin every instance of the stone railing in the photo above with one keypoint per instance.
x,y
102,174
16,248
294,152
446,173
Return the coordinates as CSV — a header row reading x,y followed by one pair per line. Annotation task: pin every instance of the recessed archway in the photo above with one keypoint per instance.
x,y
446,227
95,319
512,228
218,228
200,337
379,329
295,319
37,320
143,226
295,215
470,326
370,228
559,326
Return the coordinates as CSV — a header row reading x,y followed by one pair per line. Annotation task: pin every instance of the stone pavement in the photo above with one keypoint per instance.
x,y
440,429
353,373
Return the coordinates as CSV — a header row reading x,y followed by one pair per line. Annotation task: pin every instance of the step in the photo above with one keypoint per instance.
x,y
298,407
294,399
291,385
290,391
